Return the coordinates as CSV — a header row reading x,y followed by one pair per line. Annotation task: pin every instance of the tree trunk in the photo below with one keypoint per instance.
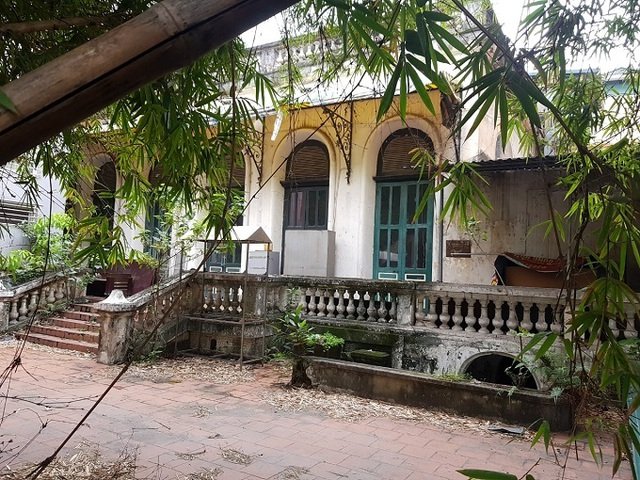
x,y
299,377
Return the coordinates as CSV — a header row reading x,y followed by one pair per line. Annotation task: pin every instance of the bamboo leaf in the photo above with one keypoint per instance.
x,y
433,16
389,93
536,14
480,108
422,91
422,33
544,432
527,105
403,93
361,14
504,117
486,475
441,33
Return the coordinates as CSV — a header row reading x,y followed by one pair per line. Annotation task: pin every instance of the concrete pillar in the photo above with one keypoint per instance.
x,y
116,327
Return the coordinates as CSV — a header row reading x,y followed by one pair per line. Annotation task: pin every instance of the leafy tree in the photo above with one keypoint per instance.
x,y
165,125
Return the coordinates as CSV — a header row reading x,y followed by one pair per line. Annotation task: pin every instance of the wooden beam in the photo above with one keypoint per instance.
x,y
169,36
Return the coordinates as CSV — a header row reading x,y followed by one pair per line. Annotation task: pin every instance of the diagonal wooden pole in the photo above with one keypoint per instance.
x,y
170,35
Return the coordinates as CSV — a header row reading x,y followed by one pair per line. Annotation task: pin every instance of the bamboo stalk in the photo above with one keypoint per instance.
x,y
170,35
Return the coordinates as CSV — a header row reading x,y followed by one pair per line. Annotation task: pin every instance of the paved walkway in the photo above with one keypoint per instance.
x,y
241,436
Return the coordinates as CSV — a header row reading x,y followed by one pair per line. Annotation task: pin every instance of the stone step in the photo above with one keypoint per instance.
x,y
66,344
65,322
80,315
66,333
87,306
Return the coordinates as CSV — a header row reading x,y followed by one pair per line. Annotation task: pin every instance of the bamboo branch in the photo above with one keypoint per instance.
x,y
25,28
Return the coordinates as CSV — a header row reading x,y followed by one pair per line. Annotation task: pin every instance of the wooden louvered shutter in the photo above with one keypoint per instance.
x,y
309,162
395,154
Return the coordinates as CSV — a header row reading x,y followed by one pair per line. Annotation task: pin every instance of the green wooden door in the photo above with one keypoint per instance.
x,y
402,246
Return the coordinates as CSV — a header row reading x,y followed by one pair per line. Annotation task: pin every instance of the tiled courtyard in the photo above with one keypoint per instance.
x,y
181,426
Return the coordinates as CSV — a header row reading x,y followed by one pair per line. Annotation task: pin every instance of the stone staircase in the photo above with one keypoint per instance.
x,y
74,329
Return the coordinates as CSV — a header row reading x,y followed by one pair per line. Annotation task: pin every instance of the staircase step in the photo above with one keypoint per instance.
x,y
56,342
80,315
77,324
66,333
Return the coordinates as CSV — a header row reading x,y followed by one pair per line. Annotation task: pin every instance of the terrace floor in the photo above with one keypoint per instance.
x,y
192,419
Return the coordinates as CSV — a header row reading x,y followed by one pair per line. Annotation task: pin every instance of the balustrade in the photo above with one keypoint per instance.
x,y
468,309
22,302
361,305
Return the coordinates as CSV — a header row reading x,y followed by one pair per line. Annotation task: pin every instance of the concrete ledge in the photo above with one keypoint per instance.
x,y
419,390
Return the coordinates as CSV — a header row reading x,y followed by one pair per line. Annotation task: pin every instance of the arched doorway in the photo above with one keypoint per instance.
x,y
402,243
228,258
158,230
104,188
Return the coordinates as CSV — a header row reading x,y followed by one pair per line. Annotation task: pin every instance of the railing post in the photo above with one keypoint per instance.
x,y
405,309
5,308
116,327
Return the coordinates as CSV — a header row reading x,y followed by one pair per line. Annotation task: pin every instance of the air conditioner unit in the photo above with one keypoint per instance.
x,y
233,269
215,269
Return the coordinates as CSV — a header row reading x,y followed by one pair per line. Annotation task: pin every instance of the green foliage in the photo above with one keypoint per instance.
x,y
296,338
50,249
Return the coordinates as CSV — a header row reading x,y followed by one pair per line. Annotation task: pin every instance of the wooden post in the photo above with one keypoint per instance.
x,y
170,35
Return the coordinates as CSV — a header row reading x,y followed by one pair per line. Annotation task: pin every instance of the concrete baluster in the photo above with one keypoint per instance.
x,y
13,314
512,320
312,303
382,309
33,302
484,321
321,302
23,310
59,290
361,310
372,311
527,321
457,317
341,307
51,297
331,303
351,307
225,291
432,315
393,310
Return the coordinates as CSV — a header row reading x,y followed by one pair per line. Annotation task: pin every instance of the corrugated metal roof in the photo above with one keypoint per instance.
x,y
515,164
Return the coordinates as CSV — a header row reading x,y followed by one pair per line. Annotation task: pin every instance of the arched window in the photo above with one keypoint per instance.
x,y
306,197
394,158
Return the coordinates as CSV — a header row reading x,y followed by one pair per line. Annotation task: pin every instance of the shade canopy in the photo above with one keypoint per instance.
x,y
246,234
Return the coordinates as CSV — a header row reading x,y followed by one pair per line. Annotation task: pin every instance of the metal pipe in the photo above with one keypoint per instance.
x,y
170,35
